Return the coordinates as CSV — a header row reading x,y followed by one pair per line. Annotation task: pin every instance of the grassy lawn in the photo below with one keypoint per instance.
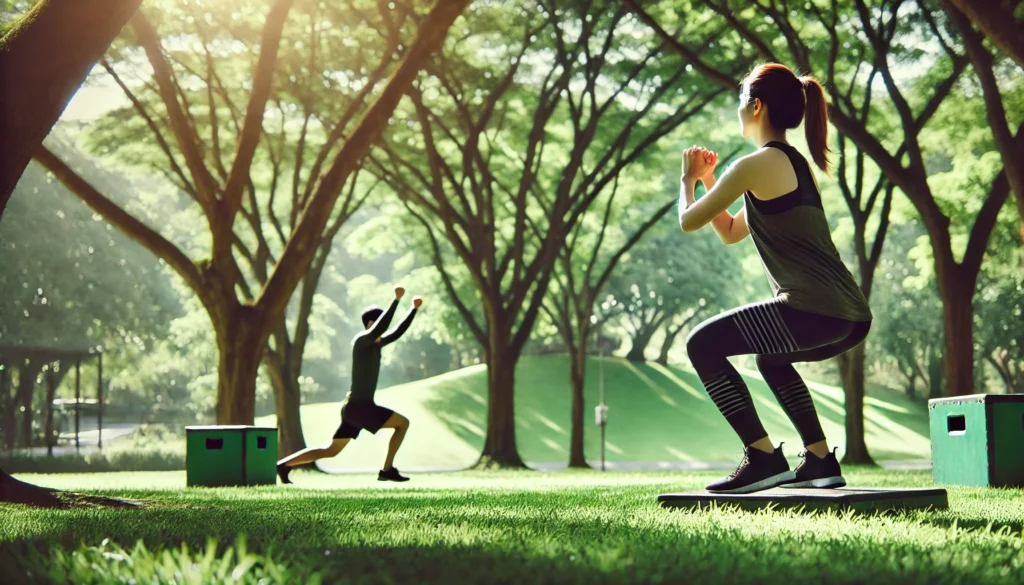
x,y
655,414
499,527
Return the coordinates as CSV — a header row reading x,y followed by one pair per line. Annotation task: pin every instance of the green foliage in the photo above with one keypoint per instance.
x,y
503,527
108,563
671,276
69,280
126,460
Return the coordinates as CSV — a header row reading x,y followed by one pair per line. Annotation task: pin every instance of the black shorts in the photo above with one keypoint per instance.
x,y
356,416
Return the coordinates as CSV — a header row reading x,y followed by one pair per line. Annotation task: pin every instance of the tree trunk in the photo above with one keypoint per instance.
x,y
241,350
958,310
640,343
666,346
577,377
44,58
7,408
51,390
1002,367
19,492
934,374
27,373
912,386
287,399
500,444
851,367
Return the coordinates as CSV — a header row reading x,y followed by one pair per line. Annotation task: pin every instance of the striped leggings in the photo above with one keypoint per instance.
x,y
779,336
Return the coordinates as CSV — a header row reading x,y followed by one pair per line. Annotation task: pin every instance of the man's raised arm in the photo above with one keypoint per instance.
x,y
380,325
403,326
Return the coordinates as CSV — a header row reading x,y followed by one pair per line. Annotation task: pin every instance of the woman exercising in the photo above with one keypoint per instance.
x,y
817,311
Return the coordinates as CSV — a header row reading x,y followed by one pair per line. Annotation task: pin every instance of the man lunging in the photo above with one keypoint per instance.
x,y
359,411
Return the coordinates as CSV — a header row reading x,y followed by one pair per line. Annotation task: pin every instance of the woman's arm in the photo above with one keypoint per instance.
x,y
713,206
730,228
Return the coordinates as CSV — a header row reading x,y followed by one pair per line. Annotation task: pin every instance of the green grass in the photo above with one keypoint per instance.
x,y
499,527
655,414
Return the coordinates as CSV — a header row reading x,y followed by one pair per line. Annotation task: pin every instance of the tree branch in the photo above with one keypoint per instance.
x,y
122,220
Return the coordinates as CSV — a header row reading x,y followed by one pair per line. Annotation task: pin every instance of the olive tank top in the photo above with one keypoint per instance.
x,y
793,239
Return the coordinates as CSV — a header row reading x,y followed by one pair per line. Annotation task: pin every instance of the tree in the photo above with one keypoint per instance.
x,y
999,21
862,206
515,135
999,321
1011,149
580,280
47,73
592,254
879,24
908,332
669,281
677,325
78,291
245,315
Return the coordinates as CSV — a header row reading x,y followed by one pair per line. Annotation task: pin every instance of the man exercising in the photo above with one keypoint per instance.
x,y
359,411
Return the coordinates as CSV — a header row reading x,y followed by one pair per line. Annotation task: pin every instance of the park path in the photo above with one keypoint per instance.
x,y
902,465
89,440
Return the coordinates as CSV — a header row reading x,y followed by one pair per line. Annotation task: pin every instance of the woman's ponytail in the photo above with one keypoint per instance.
x,y
816,121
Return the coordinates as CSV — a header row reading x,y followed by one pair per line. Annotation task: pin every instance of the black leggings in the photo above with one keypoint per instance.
x,y
779,336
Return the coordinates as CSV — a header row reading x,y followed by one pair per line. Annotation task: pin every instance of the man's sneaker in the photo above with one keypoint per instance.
x,y
391,475
758,471
283,471
818,472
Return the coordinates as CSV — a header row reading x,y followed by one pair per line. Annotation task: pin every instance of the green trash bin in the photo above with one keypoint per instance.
x,y
978,440
230,455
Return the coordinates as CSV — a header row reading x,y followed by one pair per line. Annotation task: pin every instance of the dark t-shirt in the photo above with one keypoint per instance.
x,y
366,354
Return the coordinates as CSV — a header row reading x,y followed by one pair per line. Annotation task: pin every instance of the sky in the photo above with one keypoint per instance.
x,y
97,97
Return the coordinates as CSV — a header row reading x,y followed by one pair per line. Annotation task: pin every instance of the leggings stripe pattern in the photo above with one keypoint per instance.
x,y
795,397
723,391
764,330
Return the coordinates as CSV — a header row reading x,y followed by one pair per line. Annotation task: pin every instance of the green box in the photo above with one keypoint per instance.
x,y
230,456
978,440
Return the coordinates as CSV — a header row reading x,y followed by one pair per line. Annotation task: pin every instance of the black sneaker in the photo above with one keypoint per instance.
x,y
391,475
283,471
818,472
758,471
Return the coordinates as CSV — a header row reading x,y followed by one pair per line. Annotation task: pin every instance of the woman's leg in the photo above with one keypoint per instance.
x,y
779,336
791,391
708,347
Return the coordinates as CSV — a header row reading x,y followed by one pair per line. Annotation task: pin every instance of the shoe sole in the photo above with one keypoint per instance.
x,y
282,478
835,481
764,484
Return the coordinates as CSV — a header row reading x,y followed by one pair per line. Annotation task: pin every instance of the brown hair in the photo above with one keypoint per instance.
x,y
790,100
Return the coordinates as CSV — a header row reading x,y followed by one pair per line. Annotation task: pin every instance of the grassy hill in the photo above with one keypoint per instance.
x,y
656,413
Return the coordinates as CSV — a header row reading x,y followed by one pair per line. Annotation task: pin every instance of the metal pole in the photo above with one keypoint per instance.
x,y
48,424
78,400
5,396
99,399
601,376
